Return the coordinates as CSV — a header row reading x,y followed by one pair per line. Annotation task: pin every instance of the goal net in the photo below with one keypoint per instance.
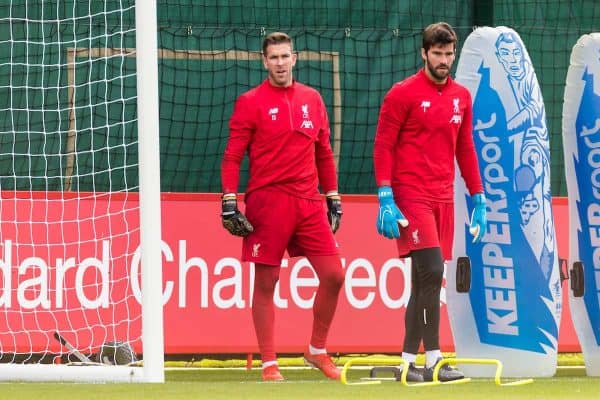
x,y
79,206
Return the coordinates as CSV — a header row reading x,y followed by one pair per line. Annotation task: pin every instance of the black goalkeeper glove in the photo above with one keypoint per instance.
x,y
334,210
233,220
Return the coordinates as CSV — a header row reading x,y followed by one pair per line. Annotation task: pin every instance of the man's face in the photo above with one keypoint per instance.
x,y
438,61
510,56
279,61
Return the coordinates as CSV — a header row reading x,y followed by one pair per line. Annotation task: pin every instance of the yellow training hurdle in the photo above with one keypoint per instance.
x,y
488,361
365,361
400,362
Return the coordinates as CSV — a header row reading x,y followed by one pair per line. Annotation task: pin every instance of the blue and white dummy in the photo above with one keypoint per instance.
x,y
512,311
581,144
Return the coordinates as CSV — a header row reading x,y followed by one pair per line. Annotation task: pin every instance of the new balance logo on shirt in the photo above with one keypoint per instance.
x,y
273,113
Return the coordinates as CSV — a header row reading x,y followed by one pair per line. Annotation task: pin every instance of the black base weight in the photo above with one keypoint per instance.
x,y
375,371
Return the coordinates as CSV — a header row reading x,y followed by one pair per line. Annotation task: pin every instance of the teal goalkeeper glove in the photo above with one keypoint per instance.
x,y
389,215
478,217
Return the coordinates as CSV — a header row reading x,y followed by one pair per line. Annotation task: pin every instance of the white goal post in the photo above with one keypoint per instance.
x,y
80,228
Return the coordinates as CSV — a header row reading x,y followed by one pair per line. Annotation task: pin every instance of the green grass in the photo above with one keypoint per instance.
x,y
226,383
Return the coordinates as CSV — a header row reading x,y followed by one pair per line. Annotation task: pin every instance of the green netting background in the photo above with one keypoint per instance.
x,y
375,42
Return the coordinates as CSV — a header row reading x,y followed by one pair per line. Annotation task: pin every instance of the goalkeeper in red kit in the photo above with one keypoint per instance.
x,y
425,124
283,127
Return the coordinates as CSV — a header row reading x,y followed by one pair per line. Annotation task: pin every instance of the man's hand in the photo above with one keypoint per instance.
x,y
233,220
478,217
389,215
334,210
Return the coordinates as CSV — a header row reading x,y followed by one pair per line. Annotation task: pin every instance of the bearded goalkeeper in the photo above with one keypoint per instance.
x,y
425,124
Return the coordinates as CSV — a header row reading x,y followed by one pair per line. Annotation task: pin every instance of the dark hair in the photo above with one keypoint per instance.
x,y
507,37
276,38
438,33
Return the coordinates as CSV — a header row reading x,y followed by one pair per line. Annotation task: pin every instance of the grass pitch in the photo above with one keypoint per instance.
x,y
229,383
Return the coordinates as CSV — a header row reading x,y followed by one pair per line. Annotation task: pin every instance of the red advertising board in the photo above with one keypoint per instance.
x,y
370,316
207,290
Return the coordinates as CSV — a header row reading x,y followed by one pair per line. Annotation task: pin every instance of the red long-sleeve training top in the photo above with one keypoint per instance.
x,y
422,128
286,134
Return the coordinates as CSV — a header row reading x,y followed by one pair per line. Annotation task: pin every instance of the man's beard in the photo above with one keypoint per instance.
x,y
438,75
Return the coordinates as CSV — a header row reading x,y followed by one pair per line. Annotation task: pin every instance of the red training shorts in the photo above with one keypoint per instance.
x,y
282,221
430,224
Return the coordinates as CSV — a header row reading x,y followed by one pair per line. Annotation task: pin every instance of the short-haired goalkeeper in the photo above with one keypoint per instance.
x,y
283,127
